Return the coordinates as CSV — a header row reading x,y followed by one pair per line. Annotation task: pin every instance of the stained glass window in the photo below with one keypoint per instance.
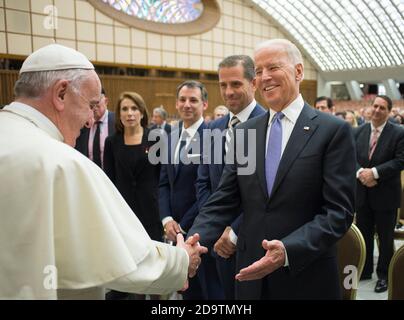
x,y
163,11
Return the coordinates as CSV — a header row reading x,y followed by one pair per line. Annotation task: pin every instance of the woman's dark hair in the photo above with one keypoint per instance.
x,y
140,105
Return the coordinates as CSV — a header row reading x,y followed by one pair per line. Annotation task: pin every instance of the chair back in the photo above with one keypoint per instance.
x,y
351,253
396,275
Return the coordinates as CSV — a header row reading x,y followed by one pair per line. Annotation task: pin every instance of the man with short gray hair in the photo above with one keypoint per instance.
x,y
160,120
65,230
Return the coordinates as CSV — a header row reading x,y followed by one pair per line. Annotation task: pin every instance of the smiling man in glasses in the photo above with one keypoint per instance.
x,y
65,230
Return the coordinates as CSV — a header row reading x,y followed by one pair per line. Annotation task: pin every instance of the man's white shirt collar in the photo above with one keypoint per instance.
x,y
191,130
36,117
292,111
244,114
380,128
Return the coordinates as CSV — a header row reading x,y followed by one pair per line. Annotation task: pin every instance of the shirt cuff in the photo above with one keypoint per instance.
x,y
166,219
358,172
233,237
286,259
182,231
375,173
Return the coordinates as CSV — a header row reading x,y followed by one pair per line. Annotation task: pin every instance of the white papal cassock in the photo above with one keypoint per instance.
x,y
58,209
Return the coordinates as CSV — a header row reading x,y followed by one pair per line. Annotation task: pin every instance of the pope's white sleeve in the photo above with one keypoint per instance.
x,y
164,270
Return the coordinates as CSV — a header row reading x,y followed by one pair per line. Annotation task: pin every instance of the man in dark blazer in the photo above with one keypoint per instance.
x,y
237,88
380,156
177,194
159,120
300,199
106,120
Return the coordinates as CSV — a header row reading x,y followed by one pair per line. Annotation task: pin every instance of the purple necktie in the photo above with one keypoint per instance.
x,y
274,151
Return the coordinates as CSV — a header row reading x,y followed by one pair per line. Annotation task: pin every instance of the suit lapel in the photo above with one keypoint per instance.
x,y
111,123
222,126
86,133
174,137
363,143
297,141
262,126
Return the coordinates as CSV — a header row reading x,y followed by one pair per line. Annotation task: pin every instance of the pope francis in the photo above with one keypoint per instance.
x,y
65,231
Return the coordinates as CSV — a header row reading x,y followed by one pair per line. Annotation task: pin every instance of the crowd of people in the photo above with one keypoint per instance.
x,y
109,218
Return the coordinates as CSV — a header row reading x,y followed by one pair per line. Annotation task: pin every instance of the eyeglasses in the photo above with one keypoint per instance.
x,y
91,104
97,106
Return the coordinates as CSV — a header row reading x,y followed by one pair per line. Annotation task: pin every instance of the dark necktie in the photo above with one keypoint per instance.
x,y
96,145
182,149
233,122
274,151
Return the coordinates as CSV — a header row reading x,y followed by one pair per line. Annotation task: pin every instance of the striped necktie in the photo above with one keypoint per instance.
x,y
373,142
230,132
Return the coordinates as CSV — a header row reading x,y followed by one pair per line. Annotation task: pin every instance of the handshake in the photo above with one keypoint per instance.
x,y
194,250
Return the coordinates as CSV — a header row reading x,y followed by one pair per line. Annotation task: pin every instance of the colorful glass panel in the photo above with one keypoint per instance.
x,y
163,11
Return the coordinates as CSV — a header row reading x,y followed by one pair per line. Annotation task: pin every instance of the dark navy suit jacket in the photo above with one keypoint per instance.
x,y
209,174
310,208
388,159
177,193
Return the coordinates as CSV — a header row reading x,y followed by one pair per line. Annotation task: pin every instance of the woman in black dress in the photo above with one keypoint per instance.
x,y
126,164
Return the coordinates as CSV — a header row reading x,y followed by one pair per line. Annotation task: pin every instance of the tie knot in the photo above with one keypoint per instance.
x,y
234,121
278,115
184,134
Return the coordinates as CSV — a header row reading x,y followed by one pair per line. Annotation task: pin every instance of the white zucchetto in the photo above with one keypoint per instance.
x,y
55,57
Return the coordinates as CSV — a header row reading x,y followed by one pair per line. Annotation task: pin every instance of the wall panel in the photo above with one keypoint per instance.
x,y
155,91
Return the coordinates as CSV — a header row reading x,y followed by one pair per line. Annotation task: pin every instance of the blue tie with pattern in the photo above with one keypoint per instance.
x,y
274,151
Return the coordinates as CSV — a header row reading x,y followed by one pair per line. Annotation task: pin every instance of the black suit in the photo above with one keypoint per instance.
x,y
378,205
208,179
82,140
310,207
167,128
177,198
129,168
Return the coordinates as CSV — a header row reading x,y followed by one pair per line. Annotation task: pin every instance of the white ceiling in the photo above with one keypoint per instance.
x,y
345,37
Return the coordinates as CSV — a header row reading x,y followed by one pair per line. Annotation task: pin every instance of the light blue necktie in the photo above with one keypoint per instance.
x,y
274,151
